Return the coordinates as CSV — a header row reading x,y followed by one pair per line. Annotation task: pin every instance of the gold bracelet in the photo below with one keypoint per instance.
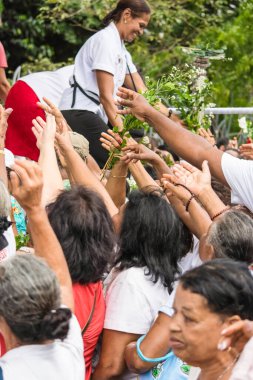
x,y
2,152
119,176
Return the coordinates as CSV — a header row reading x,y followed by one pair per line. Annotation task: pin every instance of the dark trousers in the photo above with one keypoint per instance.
x,y
90,126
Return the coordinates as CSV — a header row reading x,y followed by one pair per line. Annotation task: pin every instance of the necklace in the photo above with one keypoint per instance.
x,y
229,367
226,369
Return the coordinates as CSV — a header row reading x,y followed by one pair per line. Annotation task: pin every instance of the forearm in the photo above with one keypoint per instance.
x,y
83,176
161,167
197,220
141,176
3,173
185,144
154,345
103,373
51,174
111,111
47,247
4,89
116,184
211,202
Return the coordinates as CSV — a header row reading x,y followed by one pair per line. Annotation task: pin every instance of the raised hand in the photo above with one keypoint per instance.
x,y
194,179
110,140
44,131
26,184
169,182
136,103
236,335
246,151
207,135
50,108
4,114
135,152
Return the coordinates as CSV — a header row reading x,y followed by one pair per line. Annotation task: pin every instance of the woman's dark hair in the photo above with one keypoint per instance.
x,y
152,235
30,300
231,236
85,231
225,284
4,225
138,7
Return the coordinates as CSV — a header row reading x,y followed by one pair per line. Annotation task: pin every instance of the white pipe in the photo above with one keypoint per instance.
x,y
225,111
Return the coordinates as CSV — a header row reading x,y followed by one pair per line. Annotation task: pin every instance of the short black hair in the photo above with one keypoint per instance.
x,y
153,236
225,284
85,231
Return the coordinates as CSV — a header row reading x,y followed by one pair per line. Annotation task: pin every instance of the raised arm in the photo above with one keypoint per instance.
x,y
45,135
4,114
184,143
80,172
27,183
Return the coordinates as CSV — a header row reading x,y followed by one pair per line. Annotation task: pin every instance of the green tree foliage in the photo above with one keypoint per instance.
x,y
49,31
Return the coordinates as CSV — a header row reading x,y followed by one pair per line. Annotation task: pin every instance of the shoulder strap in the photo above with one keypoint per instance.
x,y
132,79
76,86
90,316
1,374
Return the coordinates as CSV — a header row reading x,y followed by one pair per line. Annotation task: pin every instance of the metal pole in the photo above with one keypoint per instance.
x,y
224,111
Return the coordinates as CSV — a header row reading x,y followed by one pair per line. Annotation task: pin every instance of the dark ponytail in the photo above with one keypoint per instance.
x,y
137,7
54,325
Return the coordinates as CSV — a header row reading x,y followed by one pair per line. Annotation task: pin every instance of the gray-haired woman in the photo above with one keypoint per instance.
x,y
43,338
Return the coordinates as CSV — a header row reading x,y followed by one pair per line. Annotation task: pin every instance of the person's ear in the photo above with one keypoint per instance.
x,y
206,251
126,14
231,320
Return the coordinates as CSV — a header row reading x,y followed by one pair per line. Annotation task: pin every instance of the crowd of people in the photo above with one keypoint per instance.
x,y
112,282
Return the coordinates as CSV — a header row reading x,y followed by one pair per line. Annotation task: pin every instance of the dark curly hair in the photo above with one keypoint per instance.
x,y
85,231
153,236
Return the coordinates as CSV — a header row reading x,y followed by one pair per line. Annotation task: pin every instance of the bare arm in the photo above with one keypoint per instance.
x,y
139,84
184,143
154,345
106,89
81,173
45,134
26,182
111,362
4,114
4,85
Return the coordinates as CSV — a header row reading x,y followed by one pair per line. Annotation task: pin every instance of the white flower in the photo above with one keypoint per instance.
x,y
145,140
243,124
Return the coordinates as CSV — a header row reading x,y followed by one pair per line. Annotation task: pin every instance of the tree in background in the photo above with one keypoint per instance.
x,y
50,31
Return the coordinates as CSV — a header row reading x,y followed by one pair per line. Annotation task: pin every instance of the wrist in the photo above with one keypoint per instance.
x,y
34,212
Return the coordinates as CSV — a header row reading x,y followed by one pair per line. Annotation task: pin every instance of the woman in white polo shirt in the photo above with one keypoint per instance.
x,y
102,65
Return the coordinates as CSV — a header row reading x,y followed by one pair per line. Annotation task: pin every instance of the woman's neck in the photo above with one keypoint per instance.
x,y
220,368
119,26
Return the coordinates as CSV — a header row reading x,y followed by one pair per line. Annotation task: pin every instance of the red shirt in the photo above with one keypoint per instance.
x,y
84,299
3,60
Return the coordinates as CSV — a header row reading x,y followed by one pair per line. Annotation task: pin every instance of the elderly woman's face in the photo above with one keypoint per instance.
x,y
195,330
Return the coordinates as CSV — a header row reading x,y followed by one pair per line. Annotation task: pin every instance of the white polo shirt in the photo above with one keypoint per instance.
x,y
104,51
239,176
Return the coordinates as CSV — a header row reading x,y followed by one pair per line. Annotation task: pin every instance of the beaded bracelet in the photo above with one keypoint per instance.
x,y
185,187
220,212
150,360
188,202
